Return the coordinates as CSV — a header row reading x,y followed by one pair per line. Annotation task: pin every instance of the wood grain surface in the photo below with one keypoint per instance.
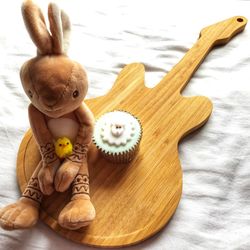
x,y
135,201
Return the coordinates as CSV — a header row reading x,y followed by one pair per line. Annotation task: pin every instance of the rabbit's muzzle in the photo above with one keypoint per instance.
x,y
50,96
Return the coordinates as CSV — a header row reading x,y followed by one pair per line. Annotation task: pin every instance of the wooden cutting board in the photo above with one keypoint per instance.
x,y
135,201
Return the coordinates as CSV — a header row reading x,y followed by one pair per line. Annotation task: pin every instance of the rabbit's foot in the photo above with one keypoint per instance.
x,y
76,214
20,215
65,175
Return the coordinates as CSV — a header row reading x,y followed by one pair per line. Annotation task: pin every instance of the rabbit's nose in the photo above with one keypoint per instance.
x,y
50,95
49,100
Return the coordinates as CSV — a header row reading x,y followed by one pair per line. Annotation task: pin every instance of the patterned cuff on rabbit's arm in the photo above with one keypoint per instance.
x,y
79,153
48,153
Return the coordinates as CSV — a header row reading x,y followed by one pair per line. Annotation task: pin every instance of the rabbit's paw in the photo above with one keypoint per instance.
x,y
65,175
76,214
20,215
46,178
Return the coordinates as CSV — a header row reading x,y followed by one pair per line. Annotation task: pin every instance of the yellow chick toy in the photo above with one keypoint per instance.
x,y
63,147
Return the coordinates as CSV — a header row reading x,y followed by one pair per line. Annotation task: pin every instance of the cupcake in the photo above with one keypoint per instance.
x,y
117,136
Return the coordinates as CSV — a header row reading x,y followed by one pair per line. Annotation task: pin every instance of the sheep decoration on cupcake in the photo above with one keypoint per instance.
x,y
117,135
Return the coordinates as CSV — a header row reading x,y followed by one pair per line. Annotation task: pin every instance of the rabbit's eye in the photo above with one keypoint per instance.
x,y
75,93
30,94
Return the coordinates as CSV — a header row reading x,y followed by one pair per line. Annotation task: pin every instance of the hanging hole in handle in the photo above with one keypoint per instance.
x,y
240,20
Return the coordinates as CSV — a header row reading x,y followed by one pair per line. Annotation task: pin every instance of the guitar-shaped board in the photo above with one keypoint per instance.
x,y
135,201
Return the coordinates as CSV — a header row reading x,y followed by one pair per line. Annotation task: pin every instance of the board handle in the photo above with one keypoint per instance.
x,y
213,35
222,32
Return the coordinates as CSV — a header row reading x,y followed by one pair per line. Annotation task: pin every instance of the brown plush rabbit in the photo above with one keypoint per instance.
x,y
56,87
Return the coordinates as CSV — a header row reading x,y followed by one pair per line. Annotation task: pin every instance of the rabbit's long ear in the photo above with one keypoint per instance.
x,y
59,28
54,14
36,26
66,30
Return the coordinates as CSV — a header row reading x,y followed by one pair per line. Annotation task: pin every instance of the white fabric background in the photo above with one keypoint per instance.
x,y
214,212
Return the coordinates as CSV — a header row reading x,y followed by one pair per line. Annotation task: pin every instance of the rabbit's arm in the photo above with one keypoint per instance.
x,y
86,120
84,136
76,163
42,135
50,161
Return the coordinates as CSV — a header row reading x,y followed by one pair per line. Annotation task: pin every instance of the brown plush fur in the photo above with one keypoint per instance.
x,y
56,87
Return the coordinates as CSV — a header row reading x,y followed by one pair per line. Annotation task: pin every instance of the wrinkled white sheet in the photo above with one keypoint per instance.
x,y
214,212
